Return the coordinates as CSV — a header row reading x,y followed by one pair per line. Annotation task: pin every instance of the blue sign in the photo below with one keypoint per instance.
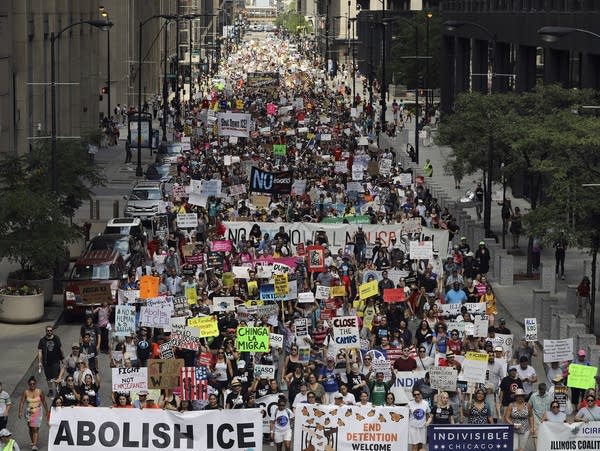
x,y
267,292
466,437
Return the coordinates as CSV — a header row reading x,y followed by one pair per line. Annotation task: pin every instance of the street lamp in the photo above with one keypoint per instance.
x,y
452,25
104,15
428,103
104,25
139,172
553,34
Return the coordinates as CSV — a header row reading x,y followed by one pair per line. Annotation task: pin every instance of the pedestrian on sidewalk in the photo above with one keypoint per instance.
x,y
516,226
428,168
560,246
128,154
5,406
583,299
50,358
478,200
7,442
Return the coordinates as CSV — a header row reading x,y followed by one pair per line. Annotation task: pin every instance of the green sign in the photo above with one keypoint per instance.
x,y
253,339
350,219
279,149
581,376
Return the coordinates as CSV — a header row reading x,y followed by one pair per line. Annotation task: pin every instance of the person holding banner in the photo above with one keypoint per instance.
x,y
554,415
442,412
590,412
478,411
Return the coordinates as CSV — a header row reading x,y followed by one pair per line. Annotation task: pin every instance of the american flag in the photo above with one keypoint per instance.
x,y
193,383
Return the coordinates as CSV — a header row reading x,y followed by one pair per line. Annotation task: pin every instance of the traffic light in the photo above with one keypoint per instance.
x,y
104,89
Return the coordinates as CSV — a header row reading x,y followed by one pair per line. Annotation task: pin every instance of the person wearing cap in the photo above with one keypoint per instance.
x,y
577,393
140,403
508,386
483,258
502,329
526,349
7,442
520,415
527,374
235,399
540,401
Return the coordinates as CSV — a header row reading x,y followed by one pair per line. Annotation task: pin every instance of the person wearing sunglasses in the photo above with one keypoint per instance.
x,y
554,415
50,358
591,412
418,420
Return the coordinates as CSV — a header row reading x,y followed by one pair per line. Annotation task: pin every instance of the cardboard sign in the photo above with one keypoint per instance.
x,y
95,293
443,378
345,332
421,250
261,200
224,304
582,376
322,292
276,341
149,287
531,330
207,326
164,373
306,298
366,290
128,296
124,320
337,291
280,282
155,317
129,379
187,220
394,295
264,371
252,339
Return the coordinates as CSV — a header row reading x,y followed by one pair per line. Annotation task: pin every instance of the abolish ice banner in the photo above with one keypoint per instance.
x,y
346,428
466,437
103,428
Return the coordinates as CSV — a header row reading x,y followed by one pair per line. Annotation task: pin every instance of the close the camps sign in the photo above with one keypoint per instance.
x,y
102,428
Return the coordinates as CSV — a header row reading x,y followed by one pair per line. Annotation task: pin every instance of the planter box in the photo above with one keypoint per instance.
x,y
21,309
47,285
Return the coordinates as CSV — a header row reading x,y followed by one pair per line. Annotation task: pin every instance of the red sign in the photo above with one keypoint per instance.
x,y
394,295
196,259
316,258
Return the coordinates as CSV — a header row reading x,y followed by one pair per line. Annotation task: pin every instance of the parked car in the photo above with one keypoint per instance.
x,y
127,226
94,279
145,200
125,245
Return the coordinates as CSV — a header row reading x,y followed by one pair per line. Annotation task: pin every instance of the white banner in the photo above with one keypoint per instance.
x,y
129,379
234,124
124,320
103,428
337,234
346,428
575,437
558,350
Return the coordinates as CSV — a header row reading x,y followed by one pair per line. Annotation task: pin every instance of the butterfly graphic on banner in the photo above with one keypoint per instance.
x,y
193,383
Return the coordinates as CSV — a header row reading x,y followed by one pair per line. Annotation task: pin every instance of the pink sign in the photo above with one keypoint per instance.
x,y
221,246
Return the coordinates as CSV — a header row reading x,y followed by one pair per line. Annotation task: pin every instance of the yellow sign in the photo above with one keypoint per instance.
x,y
337,291
476,356
281,284
227,279
366,290
582,376
207,326
192,295
252,286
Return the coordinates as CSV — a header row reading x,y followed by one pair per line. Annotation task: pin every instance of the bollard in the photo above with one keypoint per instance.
x,y
116,209
91,209
97,209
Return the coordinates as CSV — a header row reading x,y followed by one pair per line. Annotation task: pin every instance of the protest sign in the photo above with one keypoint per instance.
x,y
166,350
241,272
267,292
421,250
187,220
280,283
182,336
191,294
276,341
129,379
322,292
221,246
504,340
236,190
582,376
366,290
164,373
393,295
408,379
480,327
320,427
382,366
316,258
227,279
110,429
443,378
301,326
223,304
124,320
207,326
280,268
345,332
474,367
155,317
471,437
149,287
305,298
279,149
252,339
264,371
558,350
531,330
128,296
337,291
193,383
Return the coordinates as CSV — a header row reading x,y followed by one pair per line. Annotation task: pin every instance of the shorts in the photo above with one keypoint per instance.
x,y
417,435
52,371
3,422
284,436
520,441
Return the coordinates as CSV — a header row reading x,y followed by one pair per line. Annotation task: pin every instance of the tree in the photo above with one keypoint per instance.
x,y
293,22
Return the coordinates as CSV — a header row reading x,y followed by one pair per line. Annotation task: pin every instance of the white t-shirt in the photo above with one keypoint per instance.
x,y
418,413
4,402
283,420
526,373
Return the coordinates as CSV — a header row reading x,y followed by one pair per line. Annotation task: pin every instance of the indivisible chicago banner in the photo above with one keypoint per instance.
x,y
345,428
338,234
103,428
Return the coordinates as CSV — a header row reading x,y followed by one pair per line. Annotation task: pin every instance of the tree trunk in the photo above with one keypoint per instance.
x,y
534,198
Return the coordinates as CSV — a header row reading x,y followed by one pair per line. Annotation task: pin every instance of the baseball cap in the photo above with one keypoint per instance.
x,y
75,345
498,348
5,433
512,368
581,352
502,321
143,393
338,395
